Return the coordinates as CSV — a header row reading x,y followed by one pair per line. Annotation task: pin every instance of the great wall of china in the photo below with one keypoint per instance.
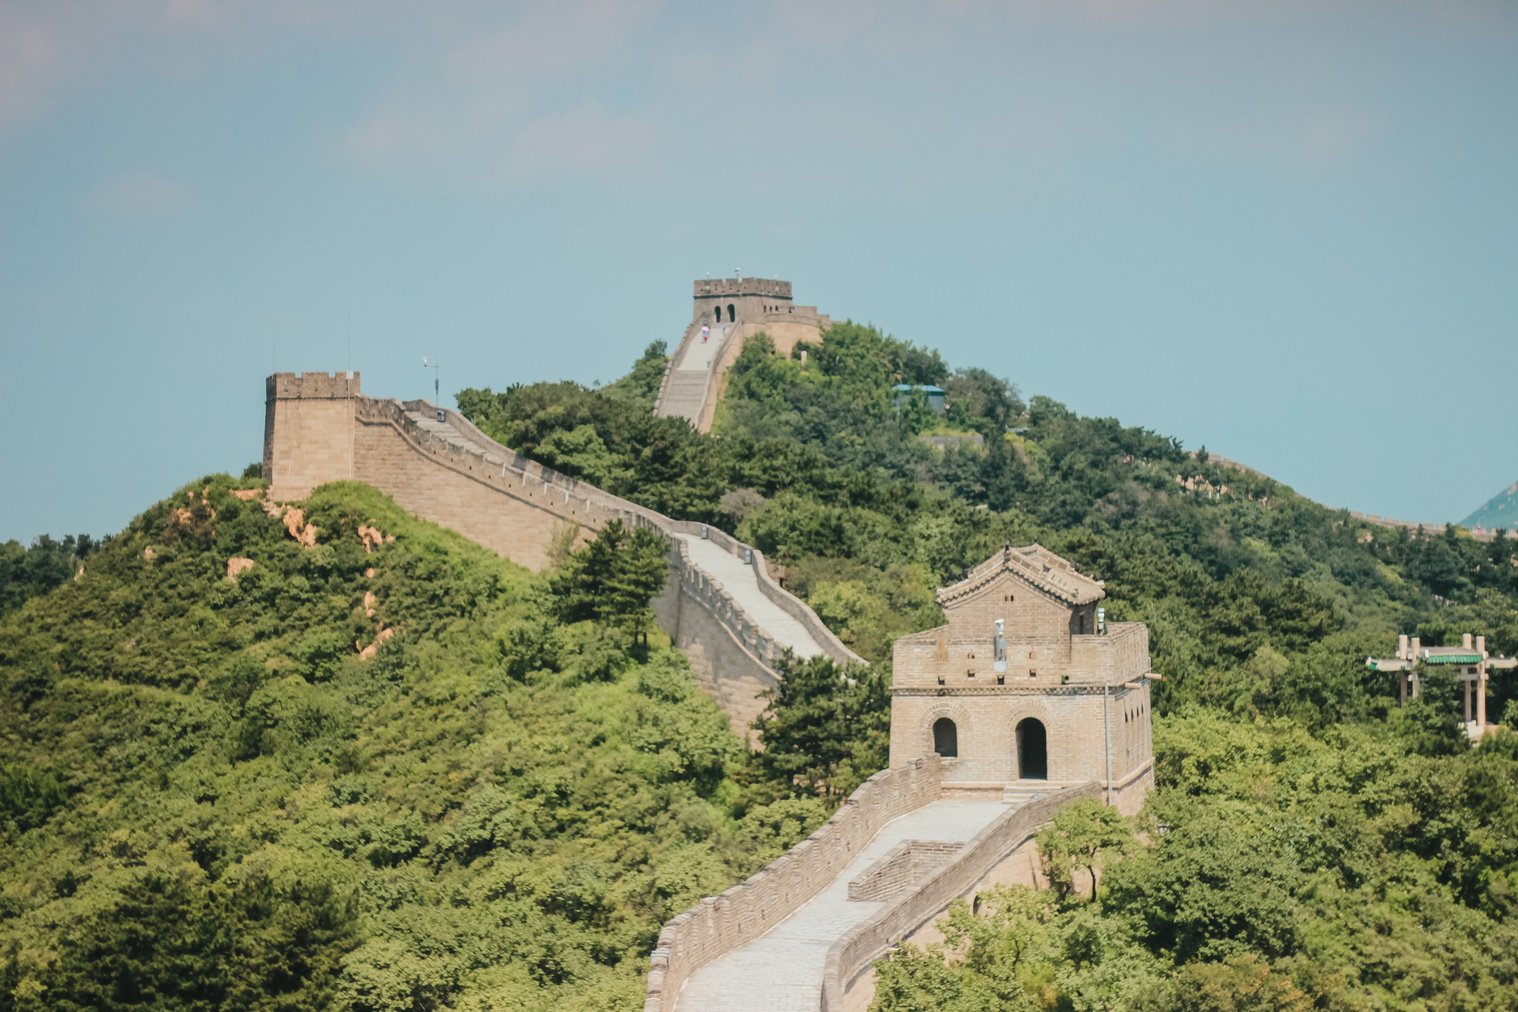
x,y
983,753
1411,526
731,310
720,604
950,815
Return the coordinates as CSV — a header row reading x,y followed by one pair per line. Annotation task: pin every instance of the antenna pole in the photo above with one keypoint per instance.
x,y
436,366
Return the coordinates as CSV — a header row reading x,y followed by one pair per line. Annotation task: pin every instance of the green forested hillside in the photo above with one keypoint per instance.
x,y
210,799
402,774
1258,601
1310,845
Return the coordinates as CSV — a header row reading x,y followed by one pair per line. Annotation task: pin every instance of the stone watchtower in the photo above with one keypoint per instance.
x,y
308,431
729,300
1026,681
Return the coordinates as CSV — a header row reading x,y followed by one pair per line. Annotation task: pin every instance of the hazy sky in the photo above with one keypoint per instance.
x,y
1285,230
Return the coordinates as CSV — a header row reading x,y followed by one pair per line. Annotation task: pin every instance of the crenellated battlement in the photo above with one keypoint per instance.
x,y
768,288
312,386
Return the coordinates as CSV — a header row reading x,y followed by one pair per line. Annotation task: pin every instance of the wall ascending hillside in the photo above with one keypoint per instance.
x,y
319,428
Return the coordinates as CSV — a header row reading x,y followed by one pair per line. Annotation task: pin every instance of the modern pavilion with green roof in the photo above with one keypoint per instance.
x,y
1470,662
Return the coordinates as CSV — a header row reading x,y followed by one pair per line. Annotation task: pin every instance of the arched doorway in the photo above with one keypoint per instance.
x,y
945,738
719,313
732,314
1032,751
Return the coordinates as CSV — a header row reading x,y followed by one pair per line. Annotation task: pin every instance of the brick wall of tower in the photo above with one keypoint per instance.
x,y
308,431
1087,690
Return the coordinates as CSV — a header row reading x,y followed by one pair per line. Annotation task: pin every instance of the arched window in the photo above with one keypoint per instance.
x,y
945,738
1032,751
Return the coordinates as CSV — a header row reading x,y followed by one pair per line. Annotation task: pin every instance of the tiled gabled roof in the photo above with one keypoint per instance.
x,y
1033,564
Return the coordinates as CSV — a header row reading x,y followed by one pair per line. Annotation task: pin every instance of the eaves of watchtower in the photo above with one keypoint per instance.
x,y
1033,566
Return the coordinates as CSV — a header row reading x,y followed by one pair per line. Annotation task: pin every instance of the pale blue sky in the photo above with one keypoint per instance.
x,y
1286,230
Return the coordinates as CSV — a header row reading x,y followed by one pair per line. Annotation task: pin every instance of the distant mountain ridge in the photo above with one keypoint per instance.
x,y
1501,510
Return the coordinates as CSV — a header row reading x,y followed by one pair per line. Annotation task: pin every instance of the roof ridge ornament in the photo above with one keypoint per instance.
x,y
1035,565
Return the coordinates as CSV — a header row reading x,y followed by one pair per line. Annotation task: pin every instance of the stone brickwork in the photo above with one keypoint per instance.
x,y
906,865
308,431
733,310
768,288
850,956
1026,684
437,465
719,924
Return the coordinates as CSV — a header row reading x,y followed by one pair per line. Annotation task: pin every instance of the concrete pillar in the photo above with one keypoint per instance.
x,y
1481,696
1402,687
1465,684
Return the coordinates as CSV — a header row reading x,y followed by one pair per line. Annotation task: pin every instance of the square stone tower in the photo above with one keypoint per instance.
x,y
308,431
1026,681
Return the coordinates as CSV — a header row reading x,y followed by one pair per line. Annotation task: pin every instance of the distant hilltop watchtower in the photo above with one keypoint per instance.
x,y
725,313
728,300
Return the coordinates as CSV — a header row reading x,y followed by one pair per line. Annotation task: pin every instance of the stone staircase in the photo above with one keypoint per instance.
x,y
1021,792
688,381
684,395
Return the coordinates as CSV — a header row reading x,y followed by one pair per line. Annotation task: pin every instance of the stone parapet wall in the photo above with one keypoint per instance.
x,y
852,954
486,462
719,924
312,385
319,429
674,359
1121,653
782,598
735,287
901,868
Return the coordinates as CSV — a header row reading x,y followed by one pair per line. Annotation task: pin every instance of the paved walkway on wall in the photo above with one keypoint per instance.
x,y
697,355
684,393
739,579
735,576
781,970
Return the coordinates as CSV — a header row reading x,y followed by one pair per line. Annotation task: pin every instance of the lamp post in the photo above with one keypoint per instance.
x,y
434,365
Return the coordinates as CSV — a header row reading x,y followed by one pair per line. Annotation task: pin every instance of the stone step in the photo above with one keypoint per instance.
x,y
1023,791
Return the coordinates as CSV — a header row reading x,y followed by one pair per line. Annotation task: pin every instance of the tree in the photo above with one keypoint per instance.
x,y
613,578
1084,835
999,954
826,727
1218,881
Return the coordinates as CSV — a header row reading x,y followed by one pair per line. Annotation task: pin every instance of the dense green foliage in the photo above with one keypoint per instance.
x,y
1313,843
210,799
827,729
410,776
1258,601
26,572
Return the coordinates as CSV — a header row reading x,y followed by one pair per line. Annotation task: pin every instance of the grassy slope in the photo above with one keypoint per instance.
x,y
492,812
